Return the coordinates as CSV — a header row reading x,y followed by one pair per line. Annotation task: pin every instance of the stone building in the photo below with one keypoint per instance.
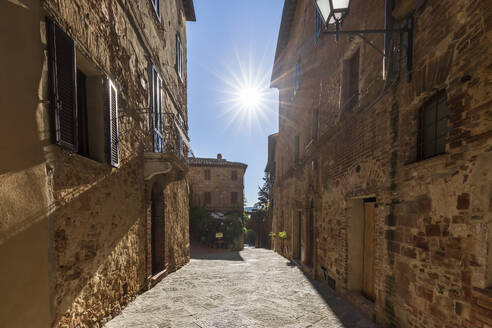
x,y
382,166
93,140
217,184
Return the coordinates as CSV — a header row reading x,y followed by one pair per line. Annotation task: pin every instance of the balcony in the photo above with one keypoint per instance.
x,y
170,150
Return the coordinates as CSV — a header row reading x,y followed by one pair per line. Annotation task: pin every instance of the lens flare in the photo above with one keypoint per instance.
x,y
248,101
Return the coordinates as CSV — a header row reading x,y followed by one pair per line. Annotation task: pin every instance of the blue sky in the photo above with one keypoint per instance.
x,y
231,41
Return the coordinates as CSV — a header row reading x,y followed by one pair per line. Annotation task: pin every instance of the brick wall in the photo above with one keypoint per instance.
x,y
432,240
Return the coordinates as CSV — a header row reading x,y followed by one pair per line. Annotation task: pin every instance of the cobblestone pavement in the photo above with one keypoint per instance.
x,y
251,288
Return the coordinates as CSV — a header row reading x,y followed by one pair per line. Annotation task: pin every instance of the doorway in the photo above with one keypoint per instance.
x,y
297,228
157,226
310,235
368,261
361,251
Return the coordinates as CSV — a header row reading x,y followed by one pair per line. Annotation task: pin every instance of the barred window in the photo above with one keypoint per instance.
x,y
433,127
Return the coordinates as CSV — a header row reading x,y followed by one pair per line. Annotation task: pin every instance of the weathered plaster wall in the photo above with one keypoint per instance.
x,y
73,231
24,192
220,186
433,217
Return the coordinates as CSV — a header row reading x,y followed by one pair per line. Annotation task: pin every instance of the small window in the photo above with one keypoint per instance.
x,y
298,76
207,174
318,25
156,113
350,83
315,125
233,197
234,175
179,57
296,149
433,127
208,197
157,7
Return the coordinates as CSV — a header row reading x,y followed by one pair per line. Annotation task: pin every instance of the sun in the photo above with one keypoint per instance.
x,y
250,97
247,102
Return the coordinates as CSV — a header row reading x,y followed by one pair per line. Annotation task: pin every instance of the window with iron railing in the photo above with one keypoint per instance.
x,y
433,127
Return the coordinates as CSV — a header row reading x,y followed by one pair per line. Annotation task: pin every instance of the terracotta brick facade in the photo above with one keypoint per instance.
x,y
432,234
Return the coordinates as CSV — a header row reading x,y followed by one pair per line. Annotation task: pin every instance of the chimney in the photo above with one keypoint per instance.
x,y
219,156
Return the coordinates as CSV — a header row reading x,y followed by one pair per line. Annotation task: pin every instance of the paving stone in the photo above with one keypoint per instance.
x,y
251,288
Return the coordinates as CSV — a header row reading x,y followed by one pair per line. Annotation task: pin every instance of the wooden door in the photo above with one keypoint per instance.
x,y
368,270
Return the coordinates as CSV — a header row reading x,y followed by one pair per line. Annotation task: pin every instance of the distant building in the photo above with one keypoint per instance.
x,y
217,184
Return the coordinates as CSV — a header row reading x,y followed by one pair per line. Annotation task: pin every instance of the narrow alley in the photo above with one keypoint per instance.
x,y
251,288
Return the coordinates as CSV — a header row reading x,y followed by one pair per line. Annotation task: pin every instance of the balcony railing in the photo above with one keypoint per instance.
x,y
169,149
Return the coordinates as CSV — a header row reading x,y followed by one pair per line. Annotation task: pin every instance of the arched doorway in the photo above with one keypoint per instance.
x,y
158,229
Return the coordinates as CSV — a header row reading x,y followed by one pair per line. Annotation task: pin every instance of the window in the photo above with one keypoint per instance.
x,y
350,82
179,57
298,76
318,25
156,110
157,7
234,175
233,197
315,125
208,198
296,149
84,104
433,127
207,174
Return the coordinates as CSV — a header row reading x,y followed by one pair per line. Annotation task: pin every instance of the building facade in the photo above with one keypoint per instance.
x,y
382,163
93,196
217,184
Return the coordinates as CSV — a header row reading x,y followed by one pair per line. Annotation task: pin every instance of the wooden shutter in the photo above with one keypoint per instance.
x,y
179,56
63,92
112,104
157,124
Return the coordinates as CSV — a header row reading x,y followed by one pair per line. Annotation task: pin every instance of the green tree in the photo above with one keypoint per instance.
x,y
264,193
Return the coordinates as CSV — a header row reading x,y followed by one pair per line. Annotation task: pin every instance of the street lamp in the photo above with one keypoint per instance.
x,y
334,11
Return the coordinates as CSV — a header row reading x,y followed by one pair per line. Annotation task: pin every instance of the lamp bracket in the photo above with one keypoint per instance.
x,y
360,33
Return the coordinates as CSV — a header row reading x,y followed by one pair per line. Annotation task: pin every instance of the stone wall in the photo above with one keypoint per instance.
x,y
220,187
79,225
433,217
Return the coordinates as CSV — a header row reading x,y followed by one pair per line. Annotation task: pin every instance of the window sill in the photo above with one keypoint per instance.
x,y
430,159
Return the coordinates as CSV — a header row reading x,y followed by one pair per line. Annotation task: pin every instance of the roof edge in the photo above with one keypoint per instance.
x,y
288,14
189,10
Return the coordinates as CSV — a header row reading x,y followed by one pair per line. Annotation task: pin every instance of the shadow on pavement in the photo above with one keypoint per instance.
x,y
201,252
348,315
